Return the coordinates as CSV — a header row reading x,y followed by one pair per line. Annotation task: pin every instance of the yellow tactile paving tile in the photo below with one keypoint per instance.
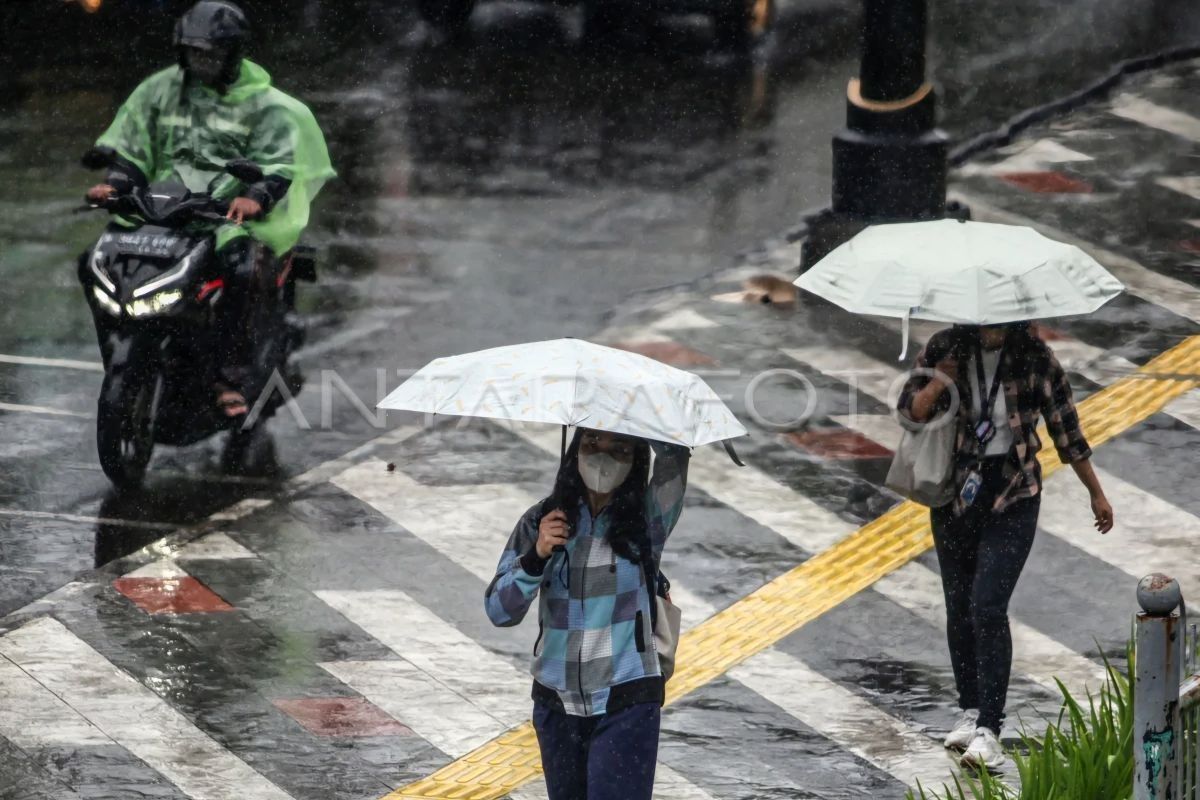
x,y
767,615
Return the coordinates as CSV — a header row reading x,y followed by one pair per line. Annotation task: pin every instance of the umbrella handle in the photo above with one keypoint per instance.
x,y
732,453
904,333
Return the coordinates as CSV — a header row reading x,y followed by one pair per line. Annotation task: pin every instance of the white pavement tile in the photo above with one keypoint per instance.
x,y
32,716
682,320
1027,157
132,715
442,515
59,363
874,378
837,713
491,683
1150,534
163,568
435,712
216,546
1132,107
1184,184
1186,408
20,408
242,508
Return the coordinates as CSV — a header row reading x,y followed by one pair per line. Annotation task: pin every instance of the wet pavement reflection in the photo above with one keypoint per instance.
x,y
531,182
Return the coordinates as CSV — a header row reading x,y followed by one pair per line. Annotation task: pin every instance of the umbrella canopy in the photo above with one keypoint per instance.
x,y
571,382
975,273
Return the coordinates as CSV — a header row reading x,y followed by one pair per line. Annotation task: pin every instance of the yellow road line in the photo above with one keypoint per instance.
x,y
767,615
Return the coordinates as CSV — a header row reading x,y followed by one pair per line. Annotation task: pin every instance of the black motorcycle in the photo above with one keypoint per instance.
x,y
154,286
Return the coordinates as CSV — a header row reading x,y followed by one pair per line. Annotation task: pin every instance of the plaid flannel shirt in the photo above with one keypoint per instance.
x,y
594,628
1035,385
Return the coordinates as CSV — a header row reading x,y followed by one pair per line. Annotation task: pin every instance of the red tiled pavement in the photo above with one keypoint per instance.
x,y
671,353
1047,182
838,444
342,716
171,595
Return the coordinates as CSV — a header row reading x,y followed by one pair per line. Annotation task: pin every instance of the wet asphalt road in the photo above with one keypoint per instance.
x,y
522,187
527,186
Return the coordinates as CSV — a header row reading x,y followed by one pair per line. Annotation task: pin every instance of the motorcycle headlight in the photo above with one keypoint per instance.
x,y
155,304
106,302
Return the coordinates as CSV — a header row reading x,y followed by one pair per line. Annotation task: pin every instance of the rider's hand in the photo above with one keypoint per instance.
x,y
242,209
552,532
99,193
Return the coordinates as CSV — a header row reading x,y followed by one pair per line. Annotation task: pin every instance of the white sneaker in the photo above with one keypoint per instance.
x,y
985,751
963,732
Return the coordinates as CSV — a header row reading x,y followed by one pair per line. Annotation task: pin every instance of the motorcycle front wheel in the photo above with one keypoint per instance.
x,y
125,425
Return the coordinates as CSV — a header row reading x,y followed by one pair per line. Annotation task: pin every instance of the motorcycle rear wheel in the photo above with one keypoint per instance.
x,y
125,425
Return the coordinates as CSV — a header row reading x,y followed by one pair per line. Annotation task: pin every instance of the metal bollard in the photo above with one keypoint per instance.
x,y
1159,640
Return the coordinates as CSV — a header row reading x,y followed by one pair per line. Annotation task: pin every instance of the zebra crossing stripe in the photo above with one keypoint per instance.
x,y
1152,115
21,408
131,715
1186,409
32,716
794,599
836,712
1155,535
1184,184
427,512
454,668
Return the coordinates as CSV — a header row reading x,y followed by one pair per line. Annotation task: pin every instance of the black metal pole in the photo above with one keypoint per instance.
x,y
889,162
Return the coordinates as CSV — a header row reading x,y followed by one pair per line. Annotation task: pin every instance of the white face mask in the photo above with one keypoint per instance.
x,y
602,473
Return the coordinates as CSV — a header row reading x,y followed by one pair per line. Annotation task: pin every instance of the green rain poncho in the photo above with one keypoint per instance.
x,y
173,134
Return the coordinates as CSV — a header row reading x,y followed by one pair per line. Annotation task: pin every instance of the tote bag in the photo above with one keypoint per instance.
x,y
666,616
923,467
667,622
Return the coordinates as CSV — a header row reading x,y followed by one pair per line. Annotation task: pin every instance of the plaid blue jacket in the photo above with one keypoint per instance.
x,y
594,623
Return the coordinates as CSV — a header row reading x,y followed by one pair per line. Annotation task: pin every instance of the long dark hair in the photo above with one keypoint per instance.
x,y
627,531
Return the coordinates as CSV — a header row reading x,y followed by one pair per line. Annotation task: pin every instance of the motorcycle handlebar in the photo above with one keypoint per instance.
x,y
201,207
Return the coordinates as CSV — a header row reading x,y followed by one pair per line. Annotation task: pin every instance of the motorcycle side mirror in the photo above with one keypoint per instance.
x,y
99,158
244,170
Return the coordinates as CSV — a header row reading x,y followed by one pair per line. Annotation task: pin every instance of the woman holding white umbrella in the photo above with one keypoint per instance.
x,y
591,550
589,553
999,379
1007,378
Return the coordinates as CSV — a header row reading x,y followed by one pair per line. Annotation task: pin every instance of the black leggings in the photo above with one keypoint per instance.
x,y
981,555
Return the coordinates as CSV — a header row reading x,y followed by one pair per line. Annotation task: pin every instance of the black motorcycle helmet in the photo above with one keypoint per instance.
x,y
217,28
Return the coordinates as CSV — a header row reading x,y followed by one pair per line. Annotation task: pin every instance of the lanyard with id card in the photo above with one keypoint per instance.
x,y
985,429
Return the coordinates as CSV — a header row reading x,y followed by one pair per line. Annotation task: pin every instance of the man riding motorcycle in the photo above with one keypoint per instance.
x,y
185,123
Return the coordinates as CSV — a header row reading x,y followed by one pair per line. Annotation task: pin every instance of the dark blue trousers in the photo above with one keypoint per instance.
x,y
981,555
610,757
